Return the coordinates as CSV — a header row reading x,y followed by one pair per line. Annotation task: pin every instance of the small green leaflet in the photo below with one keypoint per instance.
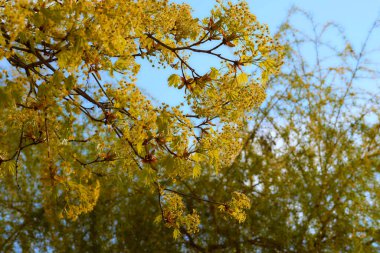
x,y
174,80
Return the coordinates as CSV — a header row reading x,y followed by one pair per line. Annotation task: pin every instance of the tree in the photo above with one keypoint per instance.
x,y
302,172
311,159
70,142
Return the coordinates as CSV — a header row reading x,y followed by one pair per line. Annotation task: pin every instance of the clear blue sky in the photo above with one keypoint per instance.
x,y
355,16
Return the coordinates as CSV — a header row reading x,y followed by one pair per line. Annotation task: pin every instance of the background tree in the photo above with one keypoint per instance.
x,y
311,160
67,136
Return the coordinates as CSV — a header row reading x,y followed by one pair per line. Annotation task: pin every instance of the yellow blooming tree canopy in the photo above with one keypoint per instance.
x,y
74,125
91,162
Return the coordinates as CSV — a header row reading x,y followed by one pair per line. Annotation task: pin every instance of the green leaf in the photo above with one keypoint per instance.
x,y
214,73
70,82
139,148
158,219
242,78
198,157
122,64
196,170
176,233
174,80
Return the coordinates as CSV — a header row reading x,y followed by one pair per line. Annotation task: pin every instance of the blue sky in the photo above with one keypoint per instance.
x,y
354,16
